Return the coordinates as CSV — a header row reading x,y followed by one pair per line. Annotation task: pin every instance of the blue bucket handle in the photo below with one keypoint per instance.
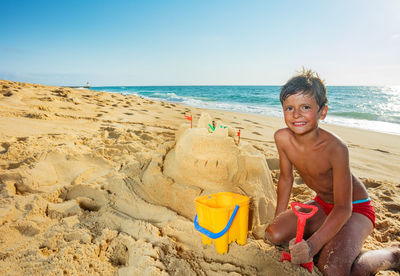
x,y
216,235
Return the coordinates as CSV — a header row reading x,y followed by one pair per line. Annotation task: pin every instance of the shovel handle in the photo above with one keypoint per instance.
x,y
300,214
302,217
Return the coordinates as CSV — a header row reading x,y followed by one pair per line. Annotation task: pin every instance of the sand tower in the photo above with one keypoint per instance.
x,y
203,161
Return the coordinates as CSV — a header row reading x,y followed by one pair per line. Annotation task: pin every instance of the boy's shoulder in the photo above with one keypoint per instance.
x,y
334,143
332,137
282,133
328,138
282,137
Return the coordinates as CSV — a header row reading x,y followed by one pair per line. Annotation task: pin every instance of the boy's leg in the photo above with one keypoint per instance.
x,y
284,227
373,261
338,255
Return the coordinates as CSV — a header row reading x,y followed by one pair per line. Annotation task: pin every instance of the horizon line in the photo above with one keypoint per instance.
x,y
182,85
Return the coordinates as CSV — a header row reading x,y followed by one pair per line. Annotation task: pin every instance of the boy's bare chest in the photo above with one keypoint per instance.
x,y
310,163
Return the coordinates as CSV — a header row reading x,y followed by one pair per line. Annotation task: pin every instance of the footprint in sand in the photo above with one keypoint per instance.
x,y
60,93
27,228
382,225
5,147
7,93
146,137
258,148
385,198
22,139
383,151
251,122
299,181
257,133
273,163
88,204
167,134
370,183
392,207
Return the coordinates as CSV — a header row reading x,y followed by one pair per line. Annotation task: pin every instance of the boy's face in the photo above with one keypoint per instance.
x,y
302,113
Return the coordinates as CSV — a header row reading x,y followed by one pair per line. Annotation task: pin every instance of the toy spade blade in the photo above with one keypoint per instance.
x,y
301,223
286,257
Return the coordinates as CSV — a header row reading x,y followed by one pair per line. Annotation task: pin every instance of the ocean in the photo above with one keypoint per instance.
x,y
374,108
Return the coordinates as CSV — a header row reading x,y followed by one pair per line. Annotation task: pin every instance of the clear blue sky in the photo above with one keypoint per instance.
x,y
199,42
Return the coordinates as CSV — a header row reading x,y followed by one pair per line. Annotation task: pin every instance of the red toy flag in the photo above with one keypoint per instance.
x,y
238,134
190,119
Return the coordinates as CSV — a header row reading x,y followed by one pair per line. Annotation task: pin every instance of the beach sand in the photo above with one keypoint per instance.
x,y
73,164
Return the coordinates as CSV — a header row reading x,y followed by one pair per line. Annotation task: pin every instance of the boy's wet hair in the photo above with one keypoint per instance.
x,y
307,83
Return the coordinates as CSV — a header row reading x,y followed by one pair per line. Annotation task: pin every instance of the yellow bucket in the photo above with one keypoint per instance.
x,y
222,218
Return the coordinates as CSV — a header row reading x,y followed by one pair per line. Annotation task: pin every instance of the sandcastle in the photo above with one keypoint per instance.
x,y
208,159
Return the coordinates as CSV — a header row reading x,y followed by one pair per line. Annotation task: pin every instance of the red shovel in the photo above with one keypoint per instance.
x,y
301,223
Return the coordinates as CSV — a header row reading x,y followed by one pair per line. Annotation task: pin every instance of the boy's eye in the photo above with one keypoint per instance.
x,y
306,107
288,108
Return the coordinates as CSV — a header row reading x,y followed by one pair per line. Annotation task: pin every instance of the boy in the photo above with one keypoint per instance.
x,y
345,216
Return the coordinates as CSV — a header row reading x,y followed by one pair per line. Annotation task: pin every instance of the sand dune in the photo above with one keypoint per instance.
x,y
75,196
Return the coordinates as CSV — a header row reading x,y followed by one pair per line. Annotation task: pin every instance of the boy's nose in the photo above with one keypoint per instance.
x,y
296,113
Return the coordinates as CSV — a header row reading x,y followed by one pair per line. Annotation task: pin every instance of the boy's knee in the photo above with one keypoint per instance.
x,y
274,236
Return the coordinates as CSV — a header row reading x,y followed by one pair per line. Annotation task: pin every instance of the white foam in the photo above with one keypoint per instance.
x,y
378,126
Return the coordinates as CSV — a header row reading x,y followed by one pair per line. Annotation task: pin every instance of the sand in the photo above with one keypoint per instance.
x,y
95,183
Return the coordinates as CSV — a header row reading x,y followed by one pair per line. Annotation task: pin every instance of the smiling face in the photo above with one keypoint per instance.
x,y
302,113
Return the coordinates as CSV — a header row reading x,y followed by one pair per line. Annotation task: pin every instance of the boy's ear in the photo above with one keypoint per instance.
x,y
324,111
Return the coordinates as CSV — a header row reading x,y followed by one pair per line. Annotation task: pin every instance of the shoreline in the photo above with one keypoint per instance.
x,y
332,119
72,164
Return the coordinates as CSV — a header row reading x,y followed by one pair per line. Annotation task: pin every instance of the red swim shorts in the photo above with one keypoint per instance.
x,y
364,208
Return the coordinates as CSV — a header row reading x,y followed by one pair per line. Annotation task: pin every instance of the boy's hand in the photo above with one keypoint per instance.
x,y
300,252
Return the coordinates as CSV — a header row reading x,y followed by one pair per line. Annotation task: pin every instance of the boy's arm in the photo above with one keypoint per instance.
x,y
342,196
285,181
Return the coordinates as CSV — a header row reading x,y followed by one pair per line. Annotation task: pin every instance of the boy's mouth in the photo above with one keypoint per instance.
x,y
297,124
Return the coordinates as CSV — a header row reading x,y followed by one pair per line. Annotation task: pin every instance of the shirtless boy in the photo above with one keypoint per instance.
x,y
335,235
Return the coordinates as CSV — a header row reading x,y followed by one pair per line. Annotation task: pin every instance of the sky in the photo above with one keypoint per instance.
x,y
216,42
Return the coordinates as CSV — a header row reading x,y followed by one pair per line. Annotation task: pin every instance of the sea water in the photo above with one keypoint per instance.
x,y
374,108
